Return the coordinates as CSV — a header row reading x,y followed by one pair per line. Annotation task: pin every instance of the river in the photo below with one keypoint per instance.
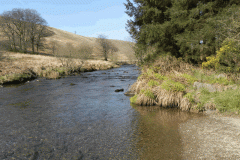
x,y
82,117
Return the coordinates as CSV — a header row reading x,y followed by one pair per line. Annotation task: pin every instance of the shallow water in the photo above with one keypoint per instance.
x,y
81,117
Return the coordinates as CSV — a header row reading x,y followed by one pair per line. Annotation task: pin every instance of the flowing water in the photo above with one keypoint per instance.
x,y
82,117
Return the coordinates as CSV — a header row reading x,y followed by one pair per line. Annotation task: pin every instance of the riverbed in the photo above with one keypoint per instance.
x,y
82,117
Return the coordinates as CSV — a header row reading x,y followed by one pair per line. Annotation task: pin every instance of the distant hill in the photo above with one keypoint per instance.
x,y
62,37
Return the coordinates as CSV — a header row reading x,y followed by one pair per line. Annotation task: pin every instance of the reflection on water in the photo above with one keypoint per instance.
x,y
158,131
54,119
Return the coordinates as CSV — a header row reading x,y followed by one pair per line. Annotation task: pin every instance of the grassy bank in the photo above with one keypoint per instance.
x,y
169,82
17,67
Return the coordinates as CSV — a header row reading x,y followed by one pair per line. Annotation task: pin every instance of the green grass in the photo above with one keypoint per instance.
x,y
159,76
148,93
61,70
149,72
14,77
133,99
221,80
226,101
189,96
171,85
152,83
211,79
190,79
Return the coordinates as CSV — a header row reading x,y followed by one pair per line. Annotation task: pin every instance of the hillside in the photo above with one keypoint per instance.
x,y
16,67
62,37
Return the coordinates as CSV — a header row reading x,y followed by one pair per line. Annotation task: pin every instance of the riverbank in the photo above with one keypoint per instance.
x,y
169,82
18,67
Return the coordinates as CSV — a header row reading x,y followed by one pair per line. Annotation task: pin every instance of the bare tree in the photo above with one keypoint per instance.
x,y
35,21
24,26
106,46
9,30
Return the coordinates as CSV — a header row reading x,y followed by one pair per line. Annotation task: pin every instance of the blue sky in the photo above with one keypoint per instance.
x,y
87,17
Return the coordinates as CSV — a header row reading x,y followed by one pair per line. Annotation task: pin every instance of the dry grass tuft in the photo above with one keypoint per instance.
x,y
168,64
45,66
144,100
166,98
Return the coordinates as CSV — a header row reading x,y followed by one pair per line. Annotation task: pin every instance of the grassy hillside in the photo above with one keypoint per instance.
x,y
63,37
16,66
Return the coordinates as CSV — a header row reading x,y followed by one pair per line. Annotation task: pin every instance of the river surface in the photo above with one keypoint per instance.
x,y
82,117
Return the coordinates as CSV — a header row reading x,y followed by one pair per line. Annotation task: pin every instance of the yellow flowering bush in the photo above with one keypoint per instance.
x,y
228,54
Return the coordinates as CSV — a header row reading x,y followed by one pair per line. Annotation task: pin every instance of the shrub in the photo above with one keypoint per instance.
x,y
226,59
171,85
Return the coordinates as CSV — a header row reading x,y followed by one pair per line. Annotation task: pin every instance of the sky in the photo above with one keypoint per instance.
x,y
88,18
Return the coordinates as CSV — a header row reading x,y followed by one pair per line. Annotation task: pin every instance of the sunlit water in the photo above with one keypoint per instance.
x,y
52,119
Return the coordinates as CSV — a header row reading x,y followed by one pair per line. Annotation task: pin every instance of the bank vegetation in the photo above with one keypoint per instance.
x,y
189,53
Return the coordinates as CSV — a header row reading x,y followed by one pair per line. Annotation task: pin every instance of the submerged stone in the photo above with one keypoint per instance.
x,y
119,90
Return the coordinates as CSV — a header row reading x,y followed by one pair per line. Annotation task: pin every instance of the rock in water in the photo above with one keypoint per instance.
x,y
119,90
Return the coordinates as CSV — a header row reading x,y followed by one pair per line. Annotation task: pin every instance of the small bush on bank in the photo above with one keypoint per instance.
x,y
226,59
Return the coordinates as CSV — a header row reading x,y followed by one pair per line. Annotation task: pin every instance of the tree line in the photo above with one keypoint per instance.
x,y
24,28
194,30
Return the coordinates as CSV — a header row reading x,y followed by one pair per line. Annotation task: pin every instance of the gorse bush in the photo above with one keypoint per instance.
x,y
227,58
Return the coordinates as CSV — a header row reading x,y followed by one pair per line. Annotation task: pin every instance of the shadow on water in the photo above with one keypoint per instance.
x,y
82,117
